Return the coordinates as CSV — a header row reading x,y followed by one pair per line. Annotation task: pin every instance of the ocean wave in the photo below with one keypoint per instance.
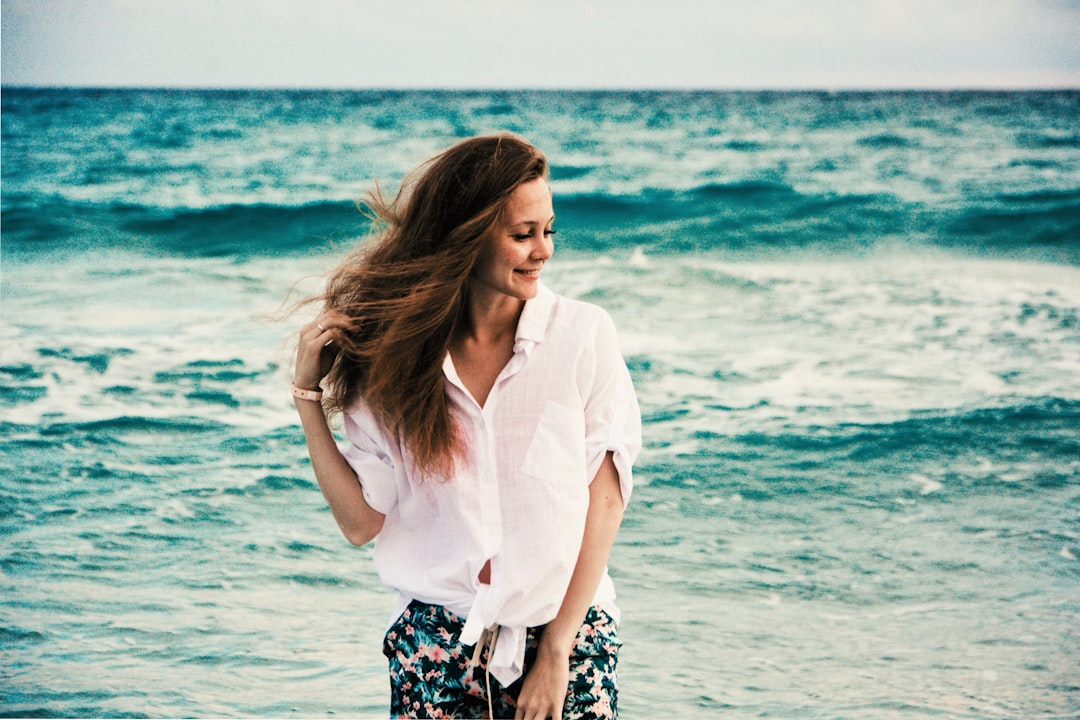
x,y
1048,140
1042,217
120,429
884,141
1042,425
199,371
715,201
227,230
951,447
271,485
250,228
96,361
1032,425
10,396
769,216
748,215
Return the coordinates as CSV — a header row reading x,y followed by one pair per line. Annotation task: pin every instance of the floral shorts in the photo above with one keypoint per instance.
x,y
431,675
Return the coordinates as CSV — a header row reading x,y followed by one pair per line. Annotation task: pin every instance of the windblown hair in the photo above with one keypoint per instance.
x,y
409,292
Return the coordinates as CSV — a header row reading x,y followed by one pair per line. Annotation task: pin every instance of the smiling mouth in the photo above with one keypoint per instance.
x,y
529,273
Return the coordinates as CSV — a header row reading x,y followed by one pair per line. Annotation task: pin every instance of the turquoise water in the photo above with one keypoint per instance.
x,y
853,321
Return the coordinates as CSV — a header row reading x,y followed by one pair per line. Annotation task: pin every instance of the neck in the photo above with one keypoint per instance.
x,y
492,315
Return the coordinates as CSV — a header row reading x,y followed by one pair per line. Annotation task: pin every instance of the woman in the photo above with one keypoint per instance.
x,y
492,426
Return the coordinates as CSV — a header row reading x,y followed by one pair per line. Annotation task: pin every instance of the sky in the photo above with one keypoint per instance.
x,y
723,44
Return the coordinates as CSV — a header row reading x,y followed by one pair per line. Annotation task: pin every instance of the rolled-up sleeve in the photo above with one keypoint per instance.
x,y
612,415
374,467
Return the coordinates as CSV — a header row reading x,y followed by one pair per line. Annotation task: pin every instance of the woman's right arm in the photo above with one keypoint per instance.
x,y
337,480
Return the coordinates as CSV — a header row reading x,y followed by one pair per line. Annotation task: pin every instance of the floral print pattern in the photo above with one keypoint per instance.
x,y
431,675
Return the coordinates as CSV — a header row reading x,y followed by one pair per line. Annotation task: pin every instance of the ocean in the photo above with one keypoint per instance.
x,y
852,319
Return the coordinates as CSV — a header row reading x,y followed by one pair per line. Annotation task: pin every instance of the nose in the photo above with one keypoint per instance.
x,y
543,247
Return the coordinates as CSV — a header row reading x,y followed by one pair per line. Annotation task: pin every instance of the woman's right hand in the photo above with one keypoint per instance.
x,y
318,347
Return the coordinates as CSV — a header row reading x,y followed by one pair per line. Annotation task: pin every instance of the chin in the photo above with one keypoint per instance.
x,y
529,293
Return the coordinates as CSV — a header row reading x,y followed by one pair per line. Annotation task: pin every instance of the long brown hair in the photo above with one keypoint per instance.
x,y
409,291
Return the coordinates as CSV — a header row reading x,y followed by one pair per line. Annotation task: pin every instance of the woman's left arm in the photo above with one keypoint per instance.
x,y
544,689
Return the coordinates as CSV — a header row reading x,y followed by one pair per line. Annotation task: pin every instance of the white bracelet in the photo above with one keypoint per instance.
x,y
315,395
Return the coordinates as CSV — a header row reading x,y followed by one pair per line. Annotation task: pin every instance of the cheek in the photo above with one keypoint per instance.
x,y
510,258
519,254
506,256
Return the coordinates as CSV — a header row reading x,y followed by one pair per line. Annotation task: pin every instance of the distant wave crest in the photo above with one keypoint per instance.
x,y
215,231
752,215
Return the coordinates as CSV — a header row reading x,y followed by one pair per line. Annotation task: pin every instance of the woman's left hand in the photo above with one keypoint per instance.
x,y
543,692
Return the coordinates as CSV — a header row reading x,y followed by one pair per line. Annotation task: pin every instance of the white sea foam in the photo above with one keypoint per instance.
x,y
841,448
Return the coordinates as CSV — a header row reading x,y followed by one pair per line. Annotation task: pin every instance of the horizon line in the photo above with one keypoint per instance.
x,y
839,89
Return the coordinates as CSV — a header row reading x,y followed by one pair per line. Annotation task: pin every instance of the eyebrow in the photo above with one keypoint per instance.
x,y
531,223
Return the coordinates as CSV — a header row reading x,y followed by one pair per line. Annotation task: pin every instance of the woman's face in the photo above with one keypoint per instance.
x,y
520,243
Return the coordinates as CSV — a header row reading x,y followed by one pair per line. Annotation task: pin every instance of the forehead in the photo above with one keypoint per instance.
x,y
530,202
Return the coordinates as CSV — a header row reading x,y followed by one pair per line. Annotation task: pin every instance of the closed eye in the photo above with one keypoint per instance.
x,y
522,237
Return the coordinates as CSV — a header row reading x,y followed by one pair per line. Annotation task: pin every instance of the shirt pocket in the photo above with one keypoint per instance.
x,y
556,453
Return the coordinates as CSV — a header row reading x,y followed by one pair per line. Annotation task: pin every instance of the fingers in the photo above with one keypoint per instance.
x,y
328,326
539,712
316,351
543,691
541,700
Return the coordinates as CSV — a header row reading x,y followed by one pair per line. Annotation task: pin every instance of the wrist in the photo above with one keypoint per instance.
x,y
303,393
554,646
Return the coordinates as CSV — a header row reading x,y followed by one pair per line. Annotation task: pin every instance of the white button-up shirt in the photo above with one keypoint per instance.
x,y
520,499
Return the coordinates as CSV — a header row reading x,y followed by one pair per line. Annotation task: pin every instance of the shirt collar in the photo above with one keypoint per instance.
x,y
534,320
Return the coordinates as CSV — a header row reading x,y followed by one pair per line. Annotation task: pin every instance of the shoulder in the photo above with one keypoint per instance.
x,y
581,329
580,315
360,416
